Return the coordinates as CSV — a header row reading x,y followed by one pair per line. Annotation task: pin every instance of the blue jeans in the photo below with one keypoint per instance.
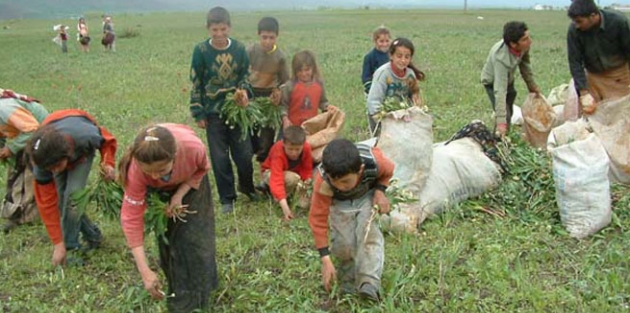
x,y
72,221
224,141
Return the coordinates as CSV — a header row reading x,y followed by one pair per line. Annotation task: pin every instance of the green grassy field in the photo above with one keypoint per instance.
x,y
463,260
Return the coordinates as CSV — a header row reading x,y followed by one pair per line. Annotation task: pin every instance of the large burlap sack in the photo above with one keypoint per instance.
x,y
611,123
460,171
538,117
559,110
322,129
406,138
580,173
558,95
572,105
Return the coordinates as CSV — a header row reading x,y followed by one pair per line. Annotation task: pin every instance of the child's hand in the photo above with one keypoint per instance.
x,y
201,124
240,97
108,172
5,153
329,274
332,109
59,254
381,200
285,122
288,215
276,96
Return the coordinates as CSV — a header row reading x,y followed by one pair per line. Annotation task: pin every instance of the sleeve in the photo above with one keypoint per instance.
x,y
318,215
376,95
576,61
366,75
323,100
306,167
133,207
385,167
203,166
276,179
47,202
108,148
197,68
25,123
500,86
285,101
525,67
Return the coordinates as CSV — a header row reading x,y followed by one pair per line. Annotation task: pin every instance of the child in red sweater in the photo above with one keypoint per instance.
x,y
289,162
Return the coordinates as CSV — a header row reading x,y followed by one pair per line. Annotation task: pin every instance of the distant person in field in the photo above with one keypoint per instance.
x,y
83,35
62,37
396,79
598,46
288,165
378,56
171,161
268,70
109,36
497,75
348,191
62,151
304,94
20,116
220,66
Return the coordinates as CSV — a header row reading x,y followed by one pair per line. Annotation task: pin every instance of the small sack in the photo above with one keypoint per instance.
x,y
19,203
85,40
539,117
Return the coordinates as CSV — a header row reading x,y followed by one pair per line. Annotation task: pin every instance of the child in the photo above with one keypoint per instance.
x,y
269,70
20,116
171,159
351,181
109,36
62,36
377,57
289,162
304,93
83,35
61,152
220,66
398,78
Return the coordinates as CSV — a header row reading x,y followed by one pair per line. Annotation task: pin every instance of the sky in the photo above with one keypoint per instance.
x,y
490,3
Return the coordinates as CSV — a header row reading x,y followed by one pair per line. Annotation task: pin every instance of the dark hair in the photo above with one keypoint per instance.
x,y
218,15
381,30
294,135
152,144
341,157
48,147
305,58
513,31
582,8
404,42
268,24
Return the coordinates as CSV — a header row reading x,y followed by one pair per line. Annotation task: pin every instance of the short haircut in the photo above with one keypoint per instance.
x,y
294,135
218,15
341,157
268,24
381,30
582,8
47,147
513,31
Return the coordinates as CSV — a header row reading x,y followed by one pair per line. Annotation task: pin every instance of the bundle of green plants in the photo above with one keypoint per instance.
x,y
106,195
271,114
245,117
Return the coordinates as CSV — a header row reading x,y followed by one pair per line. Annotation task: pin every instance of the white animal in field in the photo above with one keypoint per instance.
x,y
480,18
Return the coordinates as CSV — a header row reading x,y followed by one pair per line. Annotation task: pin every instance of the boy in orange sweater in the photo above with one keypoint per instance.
x,y
348,189
289,162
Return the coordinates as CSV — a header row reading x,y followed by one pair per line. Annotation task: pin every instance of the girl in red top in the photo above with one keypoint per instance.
x,y
61,152
304,93
171,160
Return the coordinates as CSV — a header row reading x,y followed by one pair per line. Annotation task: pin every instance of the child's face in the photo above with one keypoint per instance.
x,y
382,42
267,40
219,33
346,182
401,58
157,170
305,74
293,151
59,167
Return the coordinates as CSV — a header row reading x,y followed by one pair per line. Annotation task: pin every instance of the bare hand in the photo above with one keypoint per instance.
x,y
240,97
276,96
502,129
588,103
108,172
152,285
329,274
202,124
59,254
332,109
381,200
5,153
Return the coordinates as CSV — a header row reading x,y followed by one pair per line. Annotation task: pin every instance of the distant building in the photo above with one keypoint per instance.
x,y
620,7
542,7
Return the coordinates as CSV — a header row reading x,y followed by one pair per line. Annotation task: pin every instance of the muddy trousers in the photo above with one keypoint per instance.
x,y
360,258
188,258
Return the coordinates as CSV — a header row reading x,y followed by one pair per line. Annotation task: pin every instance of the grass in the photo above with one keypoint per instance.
x,y
463,260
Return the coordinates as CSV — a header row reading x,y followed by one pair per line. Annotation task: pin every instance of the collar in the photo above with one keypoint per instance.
x,y
515,52
226,47
397,72
601,20
275,47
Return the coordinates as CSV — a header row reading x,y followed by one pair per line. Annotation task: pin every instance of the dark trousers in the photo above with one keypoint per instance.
x,y
509,101
225,141
189,258
262,140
